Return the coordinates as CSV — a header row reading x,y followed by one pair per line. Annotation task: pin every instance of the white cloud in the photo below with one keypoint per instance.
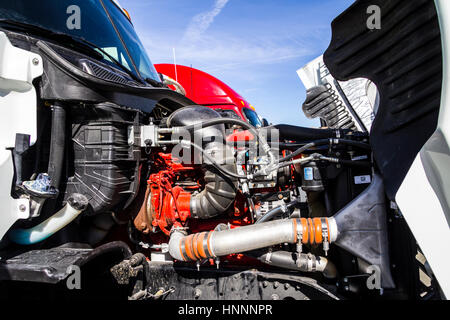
x,y
201,22
221,52
226,50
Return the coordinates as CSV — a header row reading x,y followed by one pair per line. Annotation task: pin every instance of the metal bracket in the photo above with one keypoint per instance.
x,y
143,136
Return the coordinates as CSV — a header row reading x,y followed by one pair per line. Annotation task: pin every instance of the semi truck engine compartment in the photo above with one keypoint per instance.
x,y
148,195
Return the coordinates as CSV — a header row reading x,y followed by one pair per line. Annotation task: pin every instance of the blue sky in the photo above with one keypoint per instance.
x,y
255,46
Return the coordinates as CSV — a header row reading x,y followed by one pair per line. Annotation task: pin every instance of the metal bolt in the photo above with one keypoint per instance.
x,y
35,61
265,284
276,284
287,286
275,297
197,293
22,208
217,261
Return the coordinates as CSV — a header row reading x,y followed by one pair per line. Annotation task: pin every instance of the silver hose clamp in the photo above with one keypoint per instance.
x,y
325,235
299,239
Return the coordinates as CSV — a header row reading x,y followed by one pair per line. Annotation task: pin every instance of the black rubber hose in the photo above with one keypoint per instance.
x,y
356,144
57,145
278,210
246,125
213,122
220,190
231,174
221,175
304,148
302,134
322,142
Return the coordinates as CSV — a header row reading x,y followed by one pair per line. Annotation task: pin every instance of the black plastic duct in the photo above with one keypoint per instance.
x,y
302,134
362,228
57,144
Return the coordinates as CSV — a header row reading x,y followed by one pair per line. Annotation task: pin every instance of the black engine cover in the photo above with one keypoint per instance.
x,y
105,167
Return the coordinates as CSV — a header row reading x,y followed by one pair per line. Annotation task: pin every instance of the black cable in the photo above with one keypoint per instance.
x,y
354,163
322,142
303,149
278,210
356,144
215,164
241,123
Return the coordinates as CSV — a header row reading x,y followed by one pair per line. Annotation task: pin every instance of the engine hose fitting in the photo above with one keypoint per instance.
x,y
196,247
313,230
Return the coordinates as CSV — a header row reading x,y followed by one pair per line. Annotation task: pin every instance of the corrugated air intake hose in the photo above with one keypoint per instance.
x,y
220,191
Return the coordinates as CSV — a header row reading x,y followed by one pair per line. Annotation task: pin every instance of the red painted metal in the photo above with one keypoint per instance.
x,y
171,204
239,136
204,89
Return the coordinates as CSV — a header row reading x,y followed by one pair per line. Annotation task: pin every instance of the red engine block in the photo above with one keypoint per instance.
x,y
167,201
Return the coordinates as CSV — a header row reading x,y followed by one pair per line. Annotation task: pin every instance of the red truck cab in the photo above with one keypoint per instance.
x,y
206,90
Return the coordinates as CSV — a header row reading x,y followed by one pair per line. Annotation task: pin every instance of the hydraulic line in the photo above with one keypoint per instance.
x,y
315,157
214,122
215,164
356,144
323,142
278,210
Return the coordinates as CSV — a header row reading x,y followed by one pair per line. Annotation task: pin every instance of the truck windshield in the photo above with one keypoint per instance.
x,y
99,22
252,117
